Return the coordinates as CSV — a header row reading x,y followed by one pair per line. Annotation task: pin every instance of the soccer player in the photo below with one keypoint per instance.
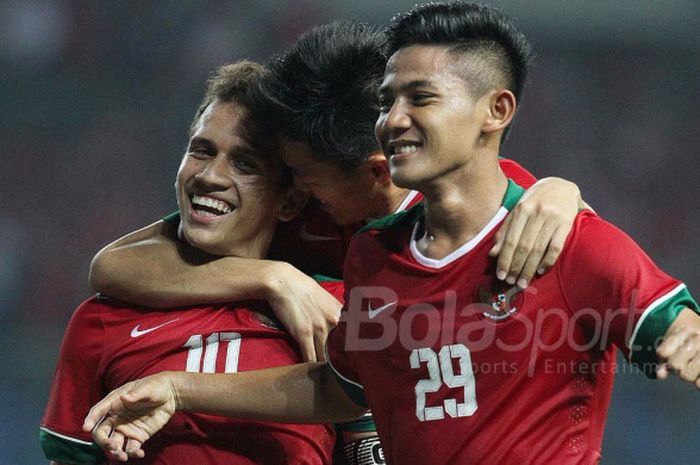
x,y
320,97
453,363
229,166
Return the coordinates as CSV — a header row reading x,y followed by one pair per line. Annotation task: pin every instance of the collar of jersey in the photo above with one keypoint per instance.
x,y
406,201
511,197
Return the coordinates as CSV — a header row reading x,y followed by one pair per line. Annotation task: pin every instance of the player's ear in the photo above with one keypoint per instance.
x,y
501,110
379,166
294,201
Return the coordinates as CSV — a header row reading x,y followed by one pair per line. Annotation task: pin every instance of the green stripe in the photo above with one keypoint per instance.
x,y
364,424
354,392
319,278
654,328
173,219
63,450
512,195
401,218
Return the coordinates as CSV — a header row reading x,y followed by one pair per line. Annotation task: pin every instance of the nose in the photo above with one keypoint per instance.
x,y
215,173
392,122
397,117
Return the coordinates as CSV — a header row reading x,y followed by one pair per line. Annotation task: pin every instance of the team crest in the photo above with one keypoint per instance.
x,y
498,300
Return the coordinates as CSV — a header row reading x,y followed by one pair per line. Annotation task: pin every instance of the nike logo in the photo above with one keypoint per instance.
x,y
307,236
136,332
376,311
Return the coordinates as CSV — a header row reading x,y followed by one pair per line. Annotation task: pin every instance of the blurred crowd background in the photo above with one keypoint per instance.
x,y
96,98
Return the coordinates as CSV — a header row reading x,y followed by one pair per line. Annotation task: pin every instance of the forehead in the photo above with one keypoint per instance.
x,y
426,65
223,118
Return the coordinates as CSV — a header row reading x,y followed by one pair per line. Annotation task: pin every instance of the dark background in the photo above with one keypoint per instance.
x,y
96,98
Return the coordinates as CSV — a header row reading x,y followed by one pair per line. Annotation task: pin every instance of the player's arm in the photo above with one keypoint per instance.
x,y
534,233
679,352
152,267
305,393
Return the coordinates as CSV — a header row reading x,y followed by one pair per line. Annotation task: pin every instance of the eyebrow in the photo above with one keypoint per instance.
x,y
410,85
199,141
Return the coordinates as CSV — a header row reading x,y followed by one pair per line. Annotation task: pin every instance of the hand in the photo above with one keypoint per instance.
x,y
130,415
680,351
534,233
305,309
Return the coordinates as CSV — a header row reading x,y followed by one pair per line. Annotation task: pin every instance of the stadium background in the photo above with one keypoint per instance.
x,y
96,98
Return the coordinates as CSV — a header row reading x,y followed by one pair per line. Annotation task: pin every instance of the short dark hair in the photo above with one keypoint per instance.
x,y
235,83
467,28
322,91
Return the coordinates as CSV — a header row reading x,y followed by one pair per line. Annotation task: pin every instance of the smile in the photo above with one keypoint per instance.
x,y
209,206
401,147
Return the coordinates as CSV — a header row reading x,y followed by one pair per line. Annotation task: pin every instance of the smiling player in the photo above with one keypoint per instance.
x,y
449,93
228,167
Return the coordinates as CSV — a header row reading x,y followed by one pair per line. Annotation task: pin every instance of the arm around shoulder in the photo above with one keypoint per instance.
x,y
152,267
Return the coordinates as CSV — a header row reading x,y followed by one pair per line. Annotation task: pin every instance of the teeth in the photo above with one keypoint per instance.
x,y
405,149
218,205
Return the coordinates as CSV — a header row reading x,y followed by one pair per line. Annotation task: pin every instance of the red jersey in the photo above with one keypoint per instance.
x,y
316,245
459,368
109,343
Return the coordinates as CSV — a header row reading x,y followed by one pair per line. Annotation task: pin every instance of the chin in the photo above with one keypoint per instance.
x,y
203,241
403,181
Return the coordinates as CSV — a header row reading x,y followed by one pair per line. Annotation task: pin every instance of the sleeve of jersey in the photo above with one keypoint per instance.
x,y
343,366
74,389
517,173
611,285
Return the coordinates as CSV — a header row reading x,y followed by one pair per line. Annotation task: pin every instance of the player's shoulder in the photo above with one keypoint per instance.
x,y
397,221
590,230
597,244
98,309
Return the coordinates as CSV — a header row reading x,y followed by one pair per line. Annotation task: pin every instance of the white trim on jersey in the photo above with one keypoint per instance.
x,y
652,306
67,438
462,250
340,375
406,201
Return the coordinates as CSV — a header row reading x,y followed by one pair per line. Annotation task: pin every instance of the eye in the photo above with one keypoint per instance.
x,y
200,152
245,166
385,104
421,98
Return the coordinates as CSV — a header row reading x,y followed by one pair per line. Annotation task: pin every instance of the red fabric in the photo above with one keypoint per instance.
x,y
542,372
100,353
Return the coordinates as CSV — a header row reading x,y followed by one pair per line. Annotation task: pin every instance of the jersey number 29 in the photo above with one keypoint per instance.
x,y
440,371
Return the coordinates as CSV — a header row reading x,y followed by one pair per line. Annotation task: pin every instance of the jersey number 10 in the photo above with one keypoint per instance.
x,y
440,371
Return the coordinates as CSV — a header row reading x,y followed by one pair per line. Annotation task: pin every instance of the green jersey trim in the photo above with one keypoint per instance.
x,y
319,278
654,323
62,448
172,219
512,196
407,217
355,391
364,424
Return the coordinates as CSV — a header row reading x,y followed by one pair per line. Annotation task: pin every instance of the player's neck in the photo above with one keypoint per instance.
x,y
387,200
459,205
396,197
